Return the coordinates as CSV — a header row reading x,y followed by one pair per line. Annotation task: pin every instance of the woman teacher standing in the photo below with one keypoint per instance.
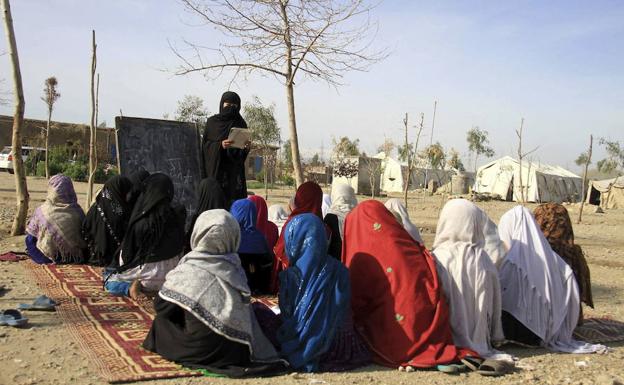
x,y
220,160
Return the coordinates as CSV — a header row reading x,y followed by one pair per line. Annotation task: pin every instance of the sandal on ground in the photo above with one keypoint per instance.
x,y
473,363
494,368
41,303
13,318
451,368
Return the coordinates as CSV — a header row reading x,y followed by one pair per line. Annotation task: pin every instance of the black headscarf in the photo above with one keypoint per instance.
x,y
106,221
217,130
210,196
137,179
156,230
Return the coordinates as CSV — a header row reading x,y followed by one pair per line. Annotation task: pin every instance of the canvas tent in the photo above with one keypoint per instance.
x,y
542,182
367,168
392,179
608,193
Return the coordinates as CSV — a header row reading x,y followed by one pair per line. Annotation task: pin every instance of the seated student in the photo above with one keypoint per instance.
x,y
53,232
137,178
308,199
540,295
210,196
469,278
343,200
255,255
153,241
398,304
327,202
278,215
556,225
314,299
204,318
266,227
396,206
106,221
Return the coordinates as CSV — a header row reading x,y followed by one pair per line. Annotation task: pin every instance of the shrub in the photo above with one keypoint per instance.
x,y
287,180
78,172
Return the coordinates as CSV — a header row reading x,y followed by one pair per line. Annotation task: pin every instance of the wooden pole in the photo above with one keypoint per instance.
x,y
409,162
21,187
92,143
587,162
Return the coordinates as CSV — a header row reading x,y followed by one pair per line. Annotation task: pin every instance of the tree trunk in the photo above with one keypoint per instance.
x,y
47,144
520,156
294,141
21,188
266,177
409,164
92,154
587,162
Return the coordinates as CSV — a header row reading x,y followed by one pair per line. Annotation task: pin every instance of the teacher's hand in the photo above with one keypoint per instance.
x,y
227,143
248,145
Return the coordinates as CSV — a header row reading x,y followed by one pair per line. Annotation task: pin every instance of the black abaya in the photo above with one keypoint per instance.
x,y
179,336
227,166
335,243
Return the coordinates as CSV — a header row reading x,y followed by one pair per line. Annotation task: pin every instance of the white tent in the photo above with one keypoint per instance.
x,y
393,173
542,182
609,193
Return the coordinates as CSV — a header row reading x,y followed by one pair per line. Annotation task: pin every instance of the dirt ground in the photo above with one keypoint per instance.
x,y
44,354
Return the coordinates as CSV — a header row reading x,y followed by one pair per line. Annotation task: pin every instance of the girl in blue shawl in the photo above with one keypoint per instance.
x,y
314,299
254,253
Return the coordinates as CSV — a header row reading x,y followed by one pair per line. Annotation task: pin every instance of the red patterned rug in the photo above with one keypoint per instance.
x,y
109,329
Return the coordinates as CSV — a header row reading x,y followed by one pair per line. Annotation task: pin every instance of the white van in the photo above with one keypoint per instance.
x,y
6,156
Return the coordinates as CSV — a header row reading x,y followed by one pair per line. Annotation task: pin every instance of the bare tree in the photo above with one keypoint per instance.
x,y
93,127
387,147
50,96
521,156
21,188
585,159
265,133
319,39
408,152
375,168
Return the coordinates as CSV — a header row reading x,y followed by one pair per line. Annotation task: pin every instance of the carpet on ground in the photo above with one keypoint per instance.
x,y
600,330
108,329
12,256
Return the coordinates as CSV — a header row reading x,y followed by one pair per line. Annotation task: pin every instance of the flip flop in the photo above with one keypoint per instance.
x,y
12,317
494,368
4,290
472,363
41,303
451,368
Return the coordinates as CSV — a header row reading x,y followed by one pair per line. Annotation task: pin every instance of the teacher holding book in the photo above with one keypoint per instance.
x,y
222,160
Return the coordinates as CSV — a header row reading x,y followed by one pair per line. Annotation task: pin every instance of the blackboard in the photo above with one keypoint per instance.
x,y
166,146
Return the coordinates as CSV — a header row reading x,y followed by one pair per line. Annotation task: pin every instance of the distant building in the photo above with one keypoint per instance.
x,y
74,135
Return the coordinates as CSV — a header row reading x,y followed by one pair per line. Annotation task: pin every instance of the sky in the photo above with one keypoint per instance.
x,y
557,64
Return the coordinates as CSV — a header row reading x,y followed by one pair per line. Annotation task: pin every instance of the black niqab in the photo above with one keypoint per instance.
x,y
106,221
210,196
137,178
156,230
225,165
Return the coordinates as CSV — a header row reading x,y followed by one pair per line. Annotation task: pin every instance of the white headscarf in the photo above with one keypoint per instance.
x,y
326,204
469,278
343,200
394,204
538,287
278,215
210,283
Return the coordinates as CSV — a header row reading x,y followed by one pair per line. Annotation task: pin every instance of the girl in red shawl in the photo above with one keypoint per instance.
x,y
308,199
266,227
397,301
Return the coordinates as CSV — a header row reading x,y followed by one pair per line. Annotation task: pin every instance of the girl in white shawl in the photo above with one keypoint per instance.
x,y
278,215
343,200
204,318
396,206
469,277
538,287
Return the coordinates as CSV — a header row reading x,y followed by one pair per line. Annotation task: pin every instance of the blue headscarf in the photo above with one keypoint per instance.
x,y
252,240
314,294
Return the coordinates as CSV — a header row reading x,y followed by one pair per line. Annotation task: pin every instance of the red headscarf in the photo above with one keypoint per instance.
x,y
308,199
397,301
269,229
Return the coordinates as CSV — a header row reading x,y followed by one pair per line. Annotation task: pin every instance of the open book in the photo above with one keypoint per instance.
x,y
239,136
